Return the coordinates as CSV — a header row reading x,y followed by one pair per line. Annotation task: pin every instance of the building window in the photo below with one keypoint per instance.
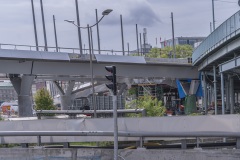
x,y
182,42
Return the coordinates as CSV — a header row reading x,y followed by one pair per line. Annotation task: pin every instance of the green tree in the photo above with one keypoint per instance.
x,y
152,106
182,51
43,100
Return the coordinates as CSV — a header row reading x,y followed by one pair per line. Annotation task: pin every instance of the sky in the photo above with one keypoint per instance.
x,y
191,18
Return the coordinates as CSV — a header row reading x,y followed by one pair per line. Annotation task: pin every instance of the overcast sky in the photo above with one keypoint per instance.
x,y
191,18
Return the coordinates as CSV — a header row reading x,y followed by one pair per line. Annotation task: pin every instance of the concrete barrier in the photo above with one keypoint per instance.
x,y
107,154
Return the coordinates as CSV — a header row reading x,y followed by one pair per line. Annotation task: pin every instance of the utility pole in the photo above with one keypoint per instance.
x,y
141,51
91,69
34,24
99,48
55,33
137,39
173,40
122,35
210,27
44,29
213,15
79,30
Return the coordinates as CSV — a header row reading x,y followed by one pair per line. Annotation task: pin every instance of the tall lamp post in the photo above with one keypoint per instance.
x,y
213,14
104,13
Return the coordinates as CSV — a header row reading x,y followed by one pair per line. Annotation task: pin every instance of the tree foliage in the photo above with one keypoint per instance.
x,y
132,91
182,51
152,105
43,100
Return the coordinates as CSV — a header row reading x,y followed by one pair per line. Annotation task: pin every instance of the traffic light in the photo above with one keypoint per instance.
x,y
112,78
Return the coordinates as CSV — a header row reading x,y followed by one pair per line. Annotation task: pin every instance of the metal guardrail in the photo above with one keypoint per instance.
x,y
130,129
140,135
60,49
73,113
227,30
122,134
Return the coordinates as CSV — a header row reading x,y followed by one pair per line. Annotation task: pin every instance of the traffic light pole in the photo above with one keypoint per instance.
x,y
114,100
113,87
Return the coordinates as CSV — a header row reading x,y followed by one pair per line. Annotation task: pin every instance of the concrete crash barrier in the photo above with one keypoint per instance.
x,y
129,129
107,154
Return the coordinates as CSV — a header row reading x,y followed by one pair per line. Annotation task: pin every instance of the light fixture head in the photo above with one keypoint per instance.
x,y
69,21
106,12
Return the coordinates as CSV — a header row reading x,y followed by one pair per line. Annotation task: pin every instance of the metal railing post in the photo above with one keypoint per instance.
x,y
183,144
238,143
39,140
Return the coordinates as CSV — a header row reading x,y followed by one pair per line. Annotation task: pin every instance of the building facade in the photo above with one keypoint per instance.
x,y
7,92
182,41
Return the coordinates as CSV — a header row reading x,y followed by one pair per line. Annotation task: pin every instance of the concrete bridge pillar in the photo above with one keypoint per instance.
x,y
65,96
123,89
215,89
205,99
227,89
232,95
23,86
222,93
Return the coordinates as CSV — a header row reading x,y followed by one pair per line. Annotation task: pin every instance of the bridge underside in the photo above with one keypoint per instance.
x,y
225,59
83,69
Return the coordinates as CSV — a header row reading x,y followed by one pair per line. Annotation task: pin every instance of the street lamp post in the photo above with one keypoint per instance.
x,y
213,14
104,13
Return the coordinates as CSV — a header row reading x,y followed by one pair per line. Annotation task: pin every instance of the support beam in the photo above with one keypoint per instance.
x,y
123,88
23,86
65,96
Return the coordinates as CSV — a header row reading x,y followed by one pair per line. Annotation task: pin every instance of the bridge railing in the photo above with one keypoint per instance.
x,y
227,30
74,113
62,49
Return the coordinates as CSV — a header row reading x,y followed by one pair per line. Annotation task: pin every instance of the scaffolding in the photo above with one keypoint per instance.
x,y
147,90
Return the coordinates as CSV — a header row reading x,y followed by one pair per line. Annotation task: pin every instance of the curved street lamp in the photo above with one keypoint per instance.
x,y
104,13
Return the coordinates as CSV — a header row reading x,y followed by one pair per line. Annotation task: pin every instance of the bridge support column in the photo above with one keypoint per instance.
x,y
65,102
209,93
222,93
205,92
23,86
227,89
122,89
65,96
215,89
232,95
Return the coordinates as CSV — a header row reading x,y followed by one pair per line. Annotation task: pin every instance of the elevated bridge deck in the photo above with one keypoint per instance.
x,y
56,63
